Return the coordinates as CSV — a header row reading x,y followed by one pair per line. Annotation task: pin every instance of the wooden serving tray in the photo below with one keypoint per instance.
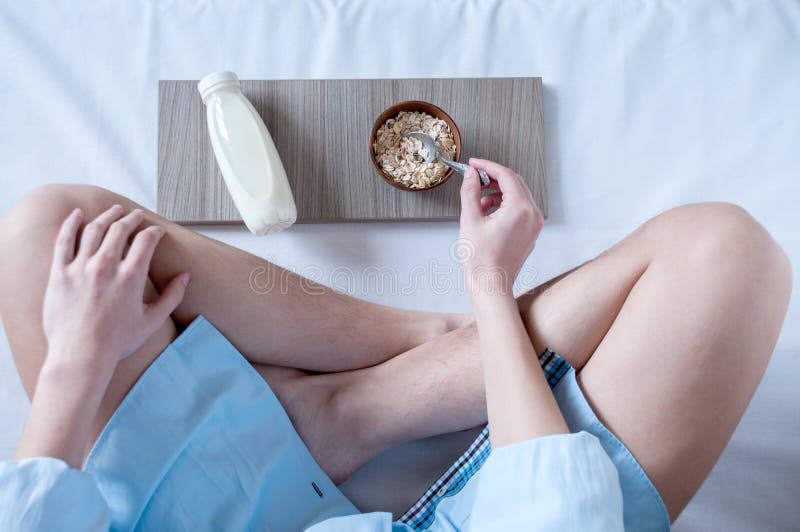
x,y
321,129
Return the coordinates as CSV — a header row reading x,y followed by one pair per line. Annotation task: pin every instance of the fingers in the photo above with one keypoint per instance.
x,y
168,301
64,250
470,196
93,232
491,200
119,232
510,183
144,245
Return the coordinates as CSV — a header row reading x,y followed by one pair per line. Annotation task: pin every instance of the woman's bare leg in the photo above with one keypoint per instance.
x,y
270,314
671,330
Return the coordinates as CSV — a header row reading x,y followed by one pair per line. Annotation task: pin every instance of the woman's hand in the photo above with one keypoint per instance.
x,y
93,308
493,246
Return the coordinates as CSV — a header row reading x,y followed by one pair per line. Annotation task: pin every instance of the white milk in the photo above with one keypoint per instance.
x,y
246,156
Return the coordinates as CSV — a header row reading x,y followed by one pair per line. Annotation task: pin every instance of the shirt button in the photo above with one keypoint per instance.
x,y
442,491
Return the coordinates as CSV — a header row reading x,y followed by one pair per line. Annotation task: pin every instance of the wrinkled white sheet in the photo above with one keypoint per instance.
x,y
647,105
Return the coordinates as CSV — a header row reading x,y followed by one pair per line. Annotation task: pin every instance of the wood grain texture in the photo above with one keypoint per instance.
x,y
321,129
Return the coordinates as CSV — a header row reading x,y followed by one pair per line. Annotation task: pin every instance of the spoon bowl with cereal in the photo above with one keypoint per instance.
x,y
433,154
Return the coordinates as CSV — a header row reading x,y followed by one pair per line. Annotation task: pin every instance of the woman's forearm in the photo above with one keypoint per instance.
x,y
519,402
65,403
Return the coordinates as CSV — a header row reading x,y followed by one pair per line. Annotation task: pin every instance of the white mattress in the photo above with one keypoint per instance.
x,y
647,105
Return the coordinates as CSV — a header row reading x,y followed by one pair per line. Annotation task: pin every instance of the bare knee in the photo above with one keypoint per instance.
x,y
29,227
61,197
42,210
702,223
732,254
719,236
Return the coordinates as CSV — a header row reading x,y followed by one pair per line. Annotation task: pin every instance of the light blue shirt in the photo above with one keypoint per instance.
x,y
562,482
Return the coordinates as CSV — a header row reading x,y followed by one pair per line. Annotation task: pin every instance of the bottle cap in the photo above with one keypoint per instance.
x,y
216,80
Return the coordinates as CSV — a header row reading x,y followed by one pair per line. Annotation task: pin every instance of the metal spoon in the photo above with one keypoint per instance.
x,y
433,153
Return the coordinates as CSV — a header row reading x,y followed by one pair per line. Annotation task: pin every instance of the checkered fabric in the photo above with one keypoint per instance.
x,y
423,512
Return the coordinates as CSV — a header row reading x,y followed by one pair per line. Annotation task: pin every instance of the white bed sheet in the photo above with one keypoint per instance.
x,y
647,105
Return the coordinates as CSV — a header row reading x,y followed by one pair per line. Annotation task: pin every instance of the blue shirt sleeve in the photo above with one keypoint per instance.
x,y
562,482
46,494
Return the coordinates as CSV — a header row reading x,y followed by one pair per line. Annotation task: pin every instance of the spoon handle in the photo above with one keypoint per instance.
x,y
462,168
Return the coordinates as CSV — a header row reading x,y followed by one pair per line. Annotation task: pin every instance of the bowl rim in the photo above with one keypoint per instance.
x,y
412,105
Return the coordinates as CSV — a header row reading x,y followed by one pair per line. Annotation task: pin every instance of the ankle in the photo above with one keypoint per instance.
x,y
352,413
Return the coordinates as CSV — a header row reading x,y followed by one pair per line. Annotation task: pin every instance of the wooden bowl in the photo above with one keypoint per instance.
x,y
413,105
